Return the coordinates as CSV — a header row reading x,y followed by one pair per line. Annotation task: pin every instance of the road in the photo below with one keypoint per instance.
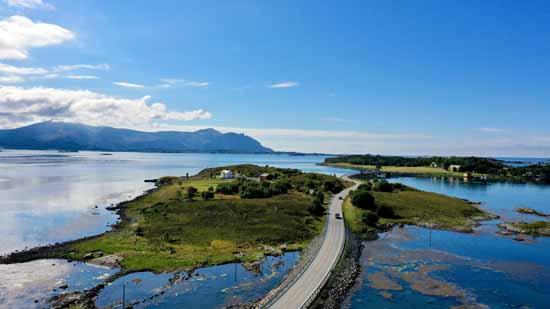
x,y
315,276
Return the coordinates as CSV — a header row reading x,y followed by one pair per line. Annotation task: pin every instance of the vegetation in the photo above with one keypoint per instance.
x,y
396,203
170,228
439,166
537,228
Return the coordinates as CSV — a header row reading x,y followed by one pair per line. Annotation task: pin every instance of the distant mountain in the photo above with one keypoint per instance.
x,y
72,136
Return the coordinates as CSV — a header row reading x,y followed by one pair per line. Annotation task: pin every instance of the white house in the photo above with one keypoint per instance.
x,y
226,174
454,168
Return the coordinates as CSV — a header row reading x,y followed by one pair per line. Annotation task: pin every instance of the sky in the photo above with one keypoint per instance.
x,y
385,77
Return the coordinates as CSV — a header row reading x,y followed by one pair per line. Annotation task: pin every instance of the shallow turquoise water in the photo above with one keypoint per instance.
x,y
484,268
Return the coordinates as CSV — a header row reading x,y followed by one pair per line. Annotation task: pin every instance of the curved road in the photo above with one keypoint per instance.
x,y
315,276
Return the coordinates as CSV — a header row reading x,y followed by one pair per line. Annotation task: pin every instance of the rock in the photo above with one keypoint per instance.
x,y
88,256
531,211
64,286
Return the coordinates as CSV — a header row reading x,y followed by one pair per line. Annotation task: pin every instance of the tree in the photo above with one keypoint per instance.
x,y
317,207
207,195
385,212
363,199
383,186
191,192
370,218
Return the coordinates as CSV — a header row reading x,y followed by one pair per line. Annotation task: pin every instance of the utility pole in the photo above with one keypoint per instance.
x,y
124,295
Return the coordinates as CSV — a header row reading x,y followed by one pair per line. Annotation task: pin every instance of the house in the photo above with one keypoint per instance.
x,y
433,164
226,174
265,176
454,168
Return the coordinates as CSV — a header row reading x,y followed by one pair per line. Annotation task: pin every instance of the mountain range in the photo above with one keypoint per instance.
x,y
72,136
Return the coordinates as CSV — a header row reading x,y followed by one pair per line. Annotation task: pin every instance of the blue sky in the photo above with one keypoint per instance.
x,y
390,77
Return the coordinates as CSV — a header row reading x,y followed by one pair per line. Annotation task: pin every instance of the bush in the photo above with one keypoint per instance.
x,y
207,195
191,191
370,218
279,187
367,186
383,186
227,188
385,212
317,207
363,199
252,189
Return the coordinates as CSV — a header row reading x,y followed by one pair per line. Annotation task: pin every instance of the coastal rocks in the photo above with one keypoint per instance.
x,y
343,277
254,267
110,261
538,228
531,211
65,300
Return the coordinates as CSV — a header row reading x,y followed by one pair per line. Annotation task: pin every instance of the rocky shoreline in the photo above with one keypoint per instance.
x,y
343,277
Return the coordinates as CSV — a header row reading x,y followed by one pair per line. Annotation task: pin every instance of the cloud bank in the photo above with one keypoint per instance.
x,y
20,106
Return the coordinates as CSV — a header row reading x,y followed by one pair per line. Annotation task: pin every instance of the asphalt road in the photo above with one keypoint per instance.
x,y
319,270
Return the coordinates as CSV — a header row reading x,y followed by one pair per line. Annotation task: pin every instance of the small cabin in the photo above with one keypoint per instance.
x,y
226,174
454,168
433,164
265,176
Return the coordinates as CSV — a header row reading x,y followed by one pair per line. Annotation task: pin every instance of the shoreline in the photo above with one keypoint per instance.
x,y
490,178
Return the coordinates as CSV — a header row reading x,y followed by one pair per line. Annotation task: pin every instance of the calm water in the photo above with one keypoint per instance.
x,y
472,269
49,197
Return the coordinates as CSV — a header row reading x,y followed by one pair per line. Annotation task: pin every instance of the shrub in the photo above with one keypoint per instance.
x,y
383,186
207,195
227,188
370,218
317,207
363,199
385,212
367,186
252,189
191,192
279,187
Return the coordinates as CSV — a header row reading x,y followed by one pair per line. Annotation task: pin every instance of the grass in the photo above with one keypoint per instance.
x,y
164,231
537,228
420,208
412,170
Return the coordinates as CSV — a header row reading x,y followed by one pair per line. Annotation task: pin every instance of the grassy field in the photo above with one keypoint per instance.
x,y
418,208
412,170
166,231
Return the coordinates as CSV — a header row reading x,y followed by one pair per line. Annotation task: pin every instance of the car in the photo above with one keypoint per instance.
x,y
338,216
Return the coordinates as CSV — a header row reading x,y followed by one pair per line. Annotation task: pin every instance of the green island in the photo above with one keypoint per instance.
x,y
189,222
537,228
378,204
468,167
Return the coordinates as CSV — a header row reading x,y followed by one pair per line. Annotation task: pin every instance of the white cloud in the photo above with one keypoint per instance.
x,y
491,130
18,34
186,83
19,106
287,84
74,67
30,4
10,69
81,77
128,85
15,74
11,79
